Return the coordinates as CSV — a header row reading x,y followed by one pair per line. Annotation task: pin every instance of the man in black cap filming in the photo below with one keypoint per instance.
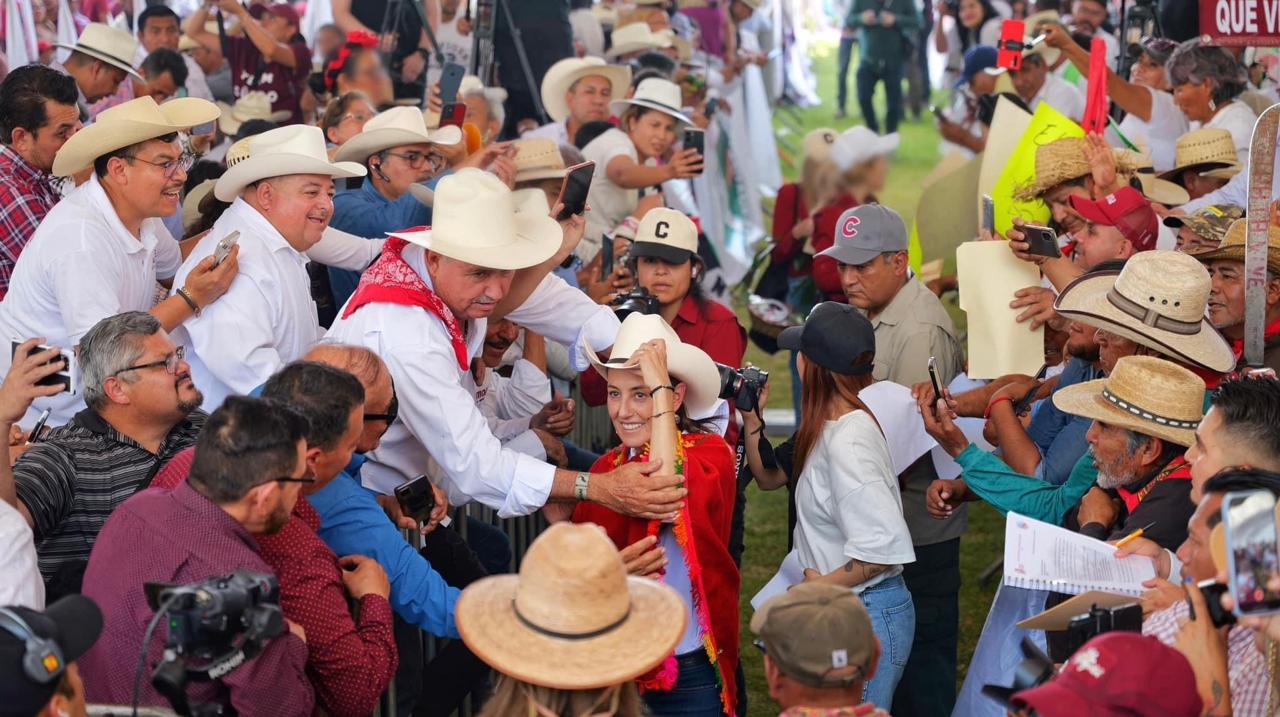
x,y
38,650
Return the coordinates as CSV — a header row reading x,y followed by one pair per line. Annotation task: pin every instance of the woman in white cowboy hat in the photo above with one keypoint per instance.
x,y
648,126
570,634
655,383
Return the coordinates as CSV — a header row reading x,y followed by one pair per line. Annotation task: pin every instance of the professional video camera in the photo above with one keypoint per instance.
x,y
1035,669
214,627
1098,620
637,300
742,385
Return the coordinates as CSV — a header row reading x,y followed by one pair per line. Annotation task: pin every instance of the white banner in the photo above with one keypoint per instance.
x,y
20,34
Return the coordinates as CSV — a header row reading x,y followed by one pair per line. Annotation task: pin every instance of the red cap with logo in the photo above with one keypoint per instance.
x,y
1125,209
1119,674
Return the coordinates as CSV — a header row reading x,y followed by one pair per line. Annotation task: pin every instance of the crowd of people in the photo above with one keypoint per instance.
x,y
282,307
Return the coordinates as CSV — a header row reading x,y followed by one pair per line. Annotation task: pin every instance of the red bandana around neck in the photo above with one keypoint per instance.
x,y
390,280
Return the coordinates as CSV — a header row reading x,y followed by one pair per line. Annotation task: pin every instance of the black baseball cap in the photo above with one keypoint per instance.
x,y
72,623
833,337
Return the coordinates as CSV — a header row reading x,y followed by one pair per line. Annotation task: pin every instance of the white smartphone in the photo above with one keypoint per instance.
x,y
1249,518
221,251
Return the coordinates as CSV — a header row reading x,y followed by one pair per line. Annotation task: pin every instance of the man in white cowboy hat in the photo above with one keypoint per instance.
x,y
423,307
100,60
576,91
1035,82
100,251
1227,295
280,204
159,26
400,154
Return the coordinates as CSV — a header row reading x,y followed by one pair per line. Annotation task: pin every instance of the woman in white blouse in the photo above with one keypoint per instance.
x,y
849,525
1206,82
975,22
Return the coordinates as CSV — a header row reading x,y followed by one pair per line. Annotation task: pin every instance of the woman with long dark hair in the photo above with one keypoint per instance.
x,y
974,22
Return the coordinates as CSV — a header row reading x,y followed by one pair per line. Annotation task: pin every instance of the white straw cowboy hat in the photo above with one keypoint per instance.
x,y
1232,246
538,159
654,93
686,363
127,124
561,76
106,43
572,619
250,106
636,37
1157,300
478,220
395,127
1208,149
293,149
1145,394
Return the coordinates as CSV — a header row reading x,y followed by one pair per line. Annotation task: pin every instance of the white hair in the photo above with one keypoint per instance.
x,y
493,97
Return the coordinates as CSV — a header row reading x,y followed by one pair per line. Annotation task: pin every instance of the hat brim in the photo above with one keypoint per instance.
x,y
1162,191
630,47
882,146
488,623
1085,300
536,239
851,255
106,136
619,106
1235,252
535,175
424,194
555,87
79,622
254,169
230,125
687,364
1085,400
665,252
363,145
1175,174
1226,172
100,55
790,338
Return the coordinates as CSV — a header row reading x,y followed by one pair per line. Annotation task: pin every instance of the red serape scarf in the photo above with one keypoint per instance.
x,y
390,280
1178,469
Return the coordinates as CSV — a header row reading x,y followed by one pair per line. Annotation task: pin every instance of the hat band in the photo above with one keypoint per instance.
x,y
1145,414
569,635
1150,317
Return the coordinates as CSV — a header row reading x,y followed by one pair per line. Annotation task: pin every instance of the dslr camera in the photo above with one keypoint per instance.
x,y
1035,669
1098,620
637,300
742,385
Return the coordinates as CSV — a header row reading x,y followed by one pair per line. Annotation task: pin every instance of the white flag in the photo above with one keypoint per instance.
x,y
67,31
319,13
20,34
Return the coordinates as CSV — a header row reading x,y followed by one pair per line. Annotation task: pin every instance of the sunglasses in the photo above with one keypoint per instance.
x,y
393,410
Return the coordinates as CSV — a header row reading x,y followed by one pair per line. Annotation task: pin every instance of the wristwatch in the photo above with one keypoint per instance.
x,y
580,483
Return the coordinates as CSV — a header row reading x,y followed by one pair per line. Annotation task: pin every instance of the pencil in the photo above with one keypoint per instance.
x,y
1134,535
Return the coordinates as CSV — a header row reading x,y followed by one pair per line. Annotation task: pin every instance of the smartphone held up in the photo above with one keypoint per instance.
x,y
1249,521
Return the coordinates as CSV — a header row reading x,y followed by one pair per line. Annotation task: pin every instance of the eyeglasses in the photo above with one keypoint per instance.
x,y
416,160
170,362
361,118
183,162
393,410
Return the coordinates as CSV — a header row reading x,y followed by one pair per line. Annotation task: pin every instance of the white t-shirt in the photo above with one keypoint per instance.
x,y
455,46
1237,118
587,30
610,204
848,504
1061,96
1160,134
22,584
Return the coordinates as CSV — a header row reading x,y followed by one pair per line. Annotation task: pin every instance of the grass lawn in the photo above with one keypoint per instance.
x,y
766,524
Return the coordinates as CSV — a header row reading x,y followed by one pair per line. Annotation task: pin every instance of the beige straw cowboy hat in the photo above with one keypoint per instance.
x,y
106,43
1157,300
293,149
1063,160
1208,149
1232,246
128,124
1158,190
1144,394
686,363
572,619
636,37
561,76
250,106
538,159
395,127
478,220
654,93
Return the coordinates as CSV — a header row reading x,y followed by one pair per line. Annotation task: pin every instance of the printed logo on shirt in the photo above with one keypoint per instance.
x,y
850,228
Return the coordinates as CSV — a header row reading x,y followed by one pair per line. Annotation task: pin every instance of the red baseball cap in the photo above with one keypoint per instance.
x,y
281,10
1125,209
1119,674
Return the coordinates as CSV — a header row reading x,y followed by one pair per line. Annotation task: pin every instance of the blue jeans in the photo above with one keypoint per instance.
x,y
893,617
695,692
843,58
870,72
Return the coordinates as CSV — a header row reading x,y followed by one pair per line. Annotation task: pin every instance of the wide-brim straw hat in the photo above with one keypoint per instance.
x,y
1233,245
476,219
636,37
1145,394
1208,149
655,93
1158,300
103,42
572,619
128,124
1158,190
293,149
538,159
251,106
686,363
561,76
396,127
1063,160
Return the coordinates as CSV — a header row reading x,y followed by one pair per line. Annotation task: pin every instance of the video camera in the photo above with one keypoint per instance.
x,y
1035,669
637,300
1098,620
742,385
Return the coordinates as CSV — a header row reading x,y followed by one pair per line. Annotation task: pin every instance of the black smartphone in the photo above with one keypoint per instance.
x,y
606,257
1043,241
1249,518
695,138
937,385
65,378
1213,592
573,193
452,111
937,113
713,104
416,499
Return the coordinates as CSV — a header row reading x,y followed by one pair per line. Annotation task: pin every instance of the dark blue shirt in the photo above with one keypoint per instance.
x,y
1060,435
365,212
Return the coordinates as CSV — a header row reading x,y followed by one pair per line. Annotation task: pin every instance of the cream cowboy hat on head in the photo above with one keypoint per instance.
x,y
250,106
654,93
686,363
572,619
1144,394
395,127
1211,150
128,124
636,37
294,149
538,159
478,220
106,43
1158,300
561,76
1160,191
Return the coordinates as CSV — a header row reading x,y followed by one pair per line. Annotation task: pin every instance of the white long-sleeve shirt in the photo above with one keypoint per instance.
x,y
509,402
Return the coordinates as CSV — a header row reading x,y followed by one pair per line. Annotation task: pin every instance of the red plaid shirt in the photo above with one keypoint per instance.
x,y
26,195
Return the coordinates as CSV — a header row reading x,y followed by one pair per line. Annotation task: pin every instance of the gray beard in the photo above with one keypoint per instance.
x,y
1107,481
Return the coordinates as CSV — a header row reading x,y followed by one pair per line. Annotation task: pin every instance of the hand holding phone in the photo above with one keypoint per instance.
x,y
1009,55
1249,519
223,248
1041,240
416,499
574,191
453,111
66,377
937,385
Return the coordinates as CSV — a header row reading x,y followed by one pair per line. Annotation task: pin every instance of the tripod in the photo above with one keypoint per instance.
x,y
485,64
393,22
